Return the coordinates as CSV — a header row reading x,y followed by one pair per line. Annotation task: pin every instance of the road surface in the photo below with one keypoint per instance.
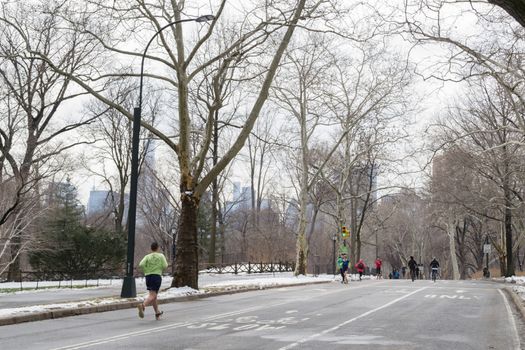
x,y
385,314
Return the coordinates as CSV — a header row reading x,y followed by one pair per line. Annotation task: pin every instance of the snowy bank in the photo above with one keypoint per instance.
x,y
210,284
519,287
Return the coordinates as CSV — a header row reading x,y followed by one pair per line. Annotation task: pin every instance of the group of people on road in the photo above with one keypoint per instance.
x,y
415,272
414,269
360,267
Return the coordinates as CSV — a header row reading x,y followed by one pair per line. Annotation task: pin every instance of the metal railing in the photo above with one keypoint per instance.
x,y
247,267
30,280
62,279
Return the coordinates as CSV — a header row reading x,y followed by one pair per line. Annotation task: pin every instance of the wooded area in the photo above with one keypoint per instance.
x,y
264,131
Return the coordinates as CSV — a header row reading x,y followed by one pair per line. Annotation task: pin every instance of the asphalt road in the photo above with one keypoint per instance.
x,y
388,314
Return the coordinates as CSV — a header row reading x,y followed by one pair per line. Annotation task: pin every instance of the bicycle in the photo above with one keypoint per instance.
x,y
434,274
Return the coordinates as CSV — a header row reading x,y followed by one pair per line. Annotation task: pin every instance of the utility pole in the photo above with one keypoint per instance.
x,y
334,239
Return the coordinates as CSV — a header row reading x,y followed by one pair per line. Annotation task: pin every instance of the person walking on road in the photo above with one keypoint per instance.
x,y
412,265
342,262
360,266
153,265
378,264
434,266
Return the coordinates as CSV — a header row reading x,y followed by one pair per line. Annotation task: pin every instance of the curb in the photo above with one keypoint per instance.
x,y
516,299
130,304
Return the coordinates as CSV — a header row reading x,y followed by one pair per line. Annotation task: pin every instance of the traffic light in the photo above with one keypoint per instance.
x,y
344,232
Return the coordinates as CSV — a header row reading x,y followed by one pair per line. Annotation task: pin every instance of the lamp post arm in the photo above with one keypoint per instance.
x,y
146,50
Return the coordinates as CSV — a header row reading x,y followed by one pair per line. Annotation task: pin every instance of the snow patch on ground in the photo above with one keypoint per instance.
x,y
172,292
209,283
515,279
519,287
520,290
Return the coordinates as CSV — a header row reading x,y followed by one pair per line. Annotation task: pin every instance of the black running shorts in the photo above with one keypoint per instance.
x,y
153,282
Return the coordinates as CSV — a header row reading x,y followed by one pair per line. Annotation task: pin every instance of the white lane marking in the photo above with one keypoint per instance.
x,y
293,345
122,336
160,329
516,336
179,324
291,312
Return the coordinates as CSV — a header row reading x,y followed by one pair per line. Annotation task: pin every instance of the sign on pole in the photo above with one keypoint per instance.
x,y
486,248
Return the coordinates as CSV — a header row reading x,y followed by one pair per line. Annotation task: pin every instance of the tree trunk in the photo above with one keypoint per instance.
x,y
187,260
502,265
508,237
518,260
213,231
514,8
302,243
451,230
215,193
354,257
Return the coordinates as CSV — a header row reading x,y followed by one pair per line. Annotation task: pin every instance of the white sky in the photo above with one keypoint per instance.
x,y
437,96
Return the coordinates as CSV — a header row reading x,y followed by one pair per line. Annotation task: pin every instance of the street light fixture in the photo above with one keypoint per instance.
x,y
129,289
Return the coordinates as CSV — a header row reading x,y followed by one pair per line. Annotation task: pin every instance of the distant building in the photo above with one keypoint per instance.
x,y
99,202
242,199
103,201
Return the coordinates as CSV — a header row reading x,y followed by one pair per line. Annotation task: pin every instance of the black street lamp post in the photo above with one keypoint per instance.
x,y
129,289
334,261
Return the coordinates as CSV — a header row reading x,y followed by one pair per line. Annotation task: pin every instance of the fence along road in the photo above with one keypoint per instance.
x,y
387,314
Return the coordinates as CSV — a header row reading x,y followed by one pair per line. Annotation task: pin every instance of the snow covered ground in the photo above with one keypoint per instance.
x,y
207,282
519,288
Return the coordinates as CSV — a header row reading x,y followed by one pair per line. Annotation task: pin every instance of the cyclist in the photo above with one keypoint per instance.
x,y
434,266
412,265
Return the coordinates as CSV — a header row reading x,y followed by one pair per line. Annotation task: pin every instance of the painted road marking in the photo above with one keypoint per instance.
x,y
446,296
247,323
160,329
313,336
186,324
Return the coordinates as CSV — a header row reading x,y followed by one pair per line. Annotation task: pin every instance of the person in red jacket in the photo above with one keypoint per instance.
x,y
360,266
378,263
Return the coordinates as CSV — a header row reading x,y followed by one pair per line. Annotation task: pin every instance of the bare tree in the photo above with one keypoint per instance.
x,y
299,91
278,20
31,138
368,101
487,133
109,157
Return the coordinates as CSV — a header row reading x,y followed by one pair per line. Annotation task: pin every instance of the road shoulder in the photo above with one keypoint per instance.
x,y
111,304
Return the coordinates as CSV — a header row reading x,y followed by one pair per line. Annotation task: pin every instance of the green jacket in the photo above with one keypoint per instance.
x,y
153,264
340,262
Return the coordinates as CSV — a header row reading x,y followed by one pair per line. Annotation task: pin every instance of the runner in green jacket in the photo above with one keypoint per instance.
x,y
153,265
